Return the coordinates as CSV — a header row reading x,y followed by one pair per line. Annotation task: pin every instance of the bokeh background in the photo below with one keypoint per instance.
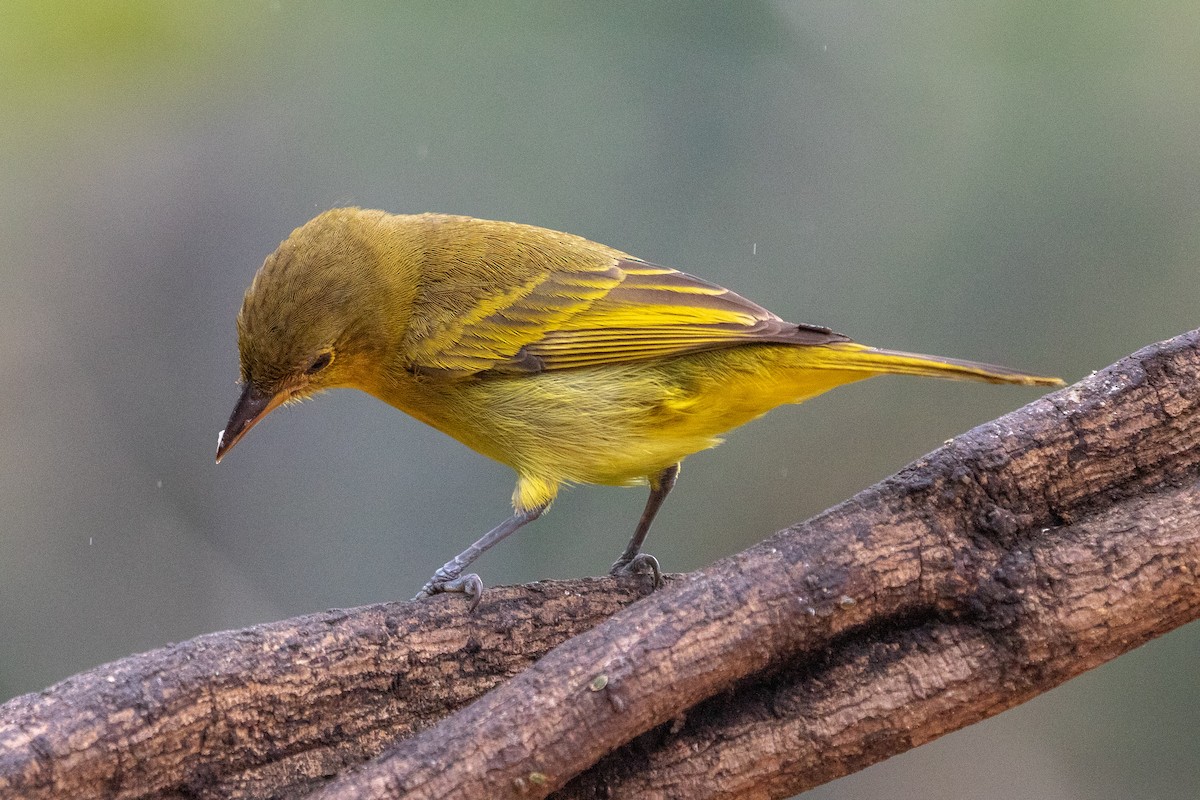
x,y
1016,182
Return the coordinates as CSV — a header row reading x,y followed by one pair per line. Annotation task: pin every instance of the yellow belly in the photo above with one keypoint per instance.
x,y
618,424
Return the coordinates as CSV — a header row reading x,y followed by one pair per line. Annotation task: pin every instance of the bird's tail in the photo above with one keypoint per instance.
x,y
854,356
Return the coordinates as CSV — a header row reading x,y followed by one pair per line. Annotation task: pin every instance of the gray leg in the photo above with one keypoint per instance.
x,y
449,577
633,560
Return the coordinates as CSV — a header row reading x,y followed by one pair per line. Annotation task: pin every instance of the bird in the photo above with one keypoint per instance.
x,y
569,361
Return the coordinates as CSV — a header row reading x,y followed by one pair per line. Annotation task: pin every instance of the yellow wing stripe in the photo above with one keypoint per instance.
x,y
613,310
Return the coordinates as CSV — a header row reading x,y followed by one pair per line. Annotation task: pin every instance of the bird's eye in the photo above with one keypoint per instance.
x,y
319,363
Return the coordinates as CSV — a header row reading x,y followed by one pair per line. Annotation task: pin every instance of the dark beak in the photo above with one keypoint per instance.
x,y
251,407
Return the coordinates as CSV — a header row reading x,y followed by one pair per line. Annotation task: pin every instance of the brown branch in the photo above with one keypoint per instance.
x,y
1059,606
281,707
1020,554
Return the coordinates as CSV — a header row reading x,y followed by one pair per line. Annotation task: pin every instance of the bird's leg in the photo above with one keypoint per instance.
x,y
449,577
633,560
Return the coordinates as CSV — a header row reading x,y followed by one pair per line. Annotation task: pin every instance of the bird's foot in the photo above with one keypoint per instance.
x,y
640,564
469,585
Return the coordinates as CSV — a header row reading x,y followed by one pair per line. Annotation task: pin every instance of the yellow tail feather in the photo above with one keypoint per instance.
x,y
854,356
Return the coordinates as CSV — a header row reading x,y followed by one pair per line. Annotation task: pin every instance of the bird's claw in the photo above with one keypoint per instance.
x,y
641,564
469,585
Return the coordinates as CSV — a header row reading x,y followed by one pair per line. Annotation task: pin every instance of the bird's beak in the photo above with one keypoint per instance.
x,y
251,407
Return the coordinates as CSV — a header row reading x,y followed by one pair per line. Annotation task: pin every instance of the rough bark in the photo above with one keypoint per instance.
x,y
275,709
1017,555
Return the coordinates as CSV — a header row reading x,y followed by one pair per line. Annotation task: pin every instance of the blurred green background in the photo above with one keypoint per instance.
x,y
1016,182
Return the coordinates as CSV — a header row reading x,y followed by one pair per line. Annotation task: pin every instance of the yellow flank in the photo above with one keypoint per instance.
x,y
620,424
565,359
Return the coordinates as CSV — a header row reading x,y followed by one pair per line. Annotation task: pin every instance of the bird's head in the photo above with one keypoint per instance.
x,y
323,312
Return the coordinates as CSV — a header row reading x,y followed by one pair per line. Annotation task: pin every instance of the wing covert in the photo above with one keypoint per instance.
x,y
621,311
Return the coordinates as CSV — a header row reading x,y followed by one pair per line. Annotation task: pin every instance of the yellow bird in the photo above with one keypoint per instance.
x,y
567,360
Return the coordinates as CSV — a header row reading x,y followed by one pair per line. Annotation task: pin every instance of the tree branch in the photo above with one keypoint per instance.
x,y
1057,606
274,709
1019,554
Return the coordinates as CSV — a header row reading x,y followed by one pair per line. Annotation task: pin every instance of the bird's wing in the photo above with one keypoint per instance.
x,y
620,311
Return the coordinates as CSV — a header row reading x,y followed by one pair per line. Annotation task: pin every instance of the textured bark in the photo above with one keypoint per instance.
x,y
275,709
1056,606
1016,556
